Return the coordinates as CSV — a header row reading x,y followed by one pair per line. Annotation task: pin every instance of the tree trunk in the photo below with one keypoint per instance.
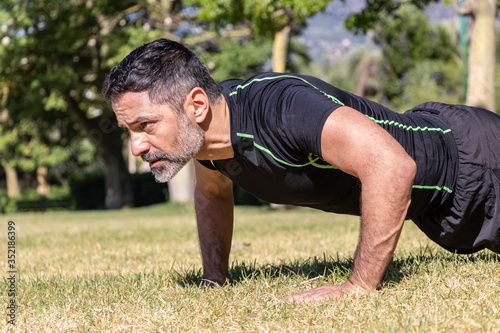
x,y
367,73
280,49
481,77
119,191
181,187
13,188
43,188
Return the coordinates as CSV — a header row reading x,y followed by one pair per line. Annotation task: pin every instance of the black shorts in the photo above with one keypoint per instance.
x,y
469,221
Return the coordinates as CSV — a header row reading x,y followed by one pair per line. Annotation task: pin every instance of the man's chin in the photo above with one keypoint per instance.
x,y
160,176
163,174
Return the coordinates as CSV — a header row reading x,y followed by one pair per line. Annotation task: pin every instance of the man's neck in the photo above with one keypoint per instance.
x,y
217,133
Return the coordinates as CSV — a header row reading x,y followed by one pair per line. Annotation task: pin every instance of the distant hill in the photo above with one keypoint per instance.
x,y
328,39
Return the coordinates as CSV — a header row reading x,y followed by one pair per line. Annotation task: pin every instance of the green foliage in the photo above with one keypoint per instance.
x,y
342,73
87,190
131,37
54,57
407,41
8,205
265,17
246,55
431,81
377,11
419,62
298,56
147,191
59,52
237,58
28,200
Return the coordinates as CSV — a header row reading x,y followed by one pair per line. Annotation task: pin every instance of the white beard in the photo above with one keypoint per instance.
x,y
190,139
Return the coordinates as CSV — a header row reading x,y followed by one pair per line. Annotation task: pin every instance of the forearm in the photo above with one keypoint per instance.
x,y
384,209
380,230
214,217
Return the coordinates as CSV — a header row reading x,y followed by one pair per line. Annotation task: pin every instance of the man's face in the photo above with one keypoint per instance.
x,y
162,138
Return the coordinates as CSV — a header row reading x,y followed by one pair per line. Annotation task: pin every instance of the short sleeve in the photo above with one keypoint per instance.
x,y
304,115
207,164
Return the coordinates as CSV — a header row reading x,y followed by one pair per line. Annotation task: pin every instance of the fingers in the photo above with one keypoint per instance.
x,y
212,284
324,293
320,294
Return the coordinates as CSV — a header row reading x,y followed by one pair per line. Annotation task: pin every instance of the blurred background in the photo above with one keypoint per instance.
x,y
60,147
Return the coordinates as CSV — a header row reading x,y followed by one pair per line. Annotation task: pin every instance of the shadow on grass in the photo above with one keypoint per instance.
x,y
399,268
427,259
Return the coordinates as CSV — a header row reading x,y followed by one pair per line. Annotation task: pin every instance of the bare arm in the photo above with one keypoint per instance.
x,y
214,215
358,146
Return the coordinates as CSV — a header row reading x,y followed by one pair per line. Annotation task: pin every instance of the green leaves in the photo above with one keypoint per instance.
x,y
377,11
265,17
53,59
230,62
413,50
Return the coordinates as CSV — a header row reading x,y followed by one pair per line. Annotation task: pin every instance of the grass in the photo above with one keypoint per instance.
x,y
139,270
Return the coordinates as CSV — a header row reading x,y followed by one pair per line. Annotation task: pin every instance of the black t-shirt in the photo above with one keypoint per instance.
x,y
276,124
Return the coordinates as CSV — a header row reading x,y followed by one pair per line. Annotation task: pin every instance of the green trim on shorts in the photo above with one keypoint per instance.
x,y
439,188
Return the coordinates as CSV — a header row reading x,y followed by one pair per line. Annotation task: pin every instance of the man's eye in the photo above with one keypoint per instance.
x,y
144,125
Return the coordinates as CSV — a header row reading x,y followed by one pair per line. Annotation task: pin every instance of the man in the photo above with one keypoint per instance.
x,y
293,139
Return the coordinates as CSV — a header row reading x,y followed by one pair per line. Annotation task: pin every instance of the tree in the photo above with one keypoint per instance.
x,y
481,87
54,57
269,18
481,78
233,57
407,41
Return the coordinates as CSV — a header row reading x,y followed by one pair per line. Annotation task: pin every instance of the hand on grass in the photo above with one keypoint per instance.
x,y
323,293
213,283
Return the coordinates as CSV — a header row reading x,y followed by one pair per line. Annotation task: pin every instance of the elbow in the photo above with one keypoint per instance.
x,y
407,170
410,168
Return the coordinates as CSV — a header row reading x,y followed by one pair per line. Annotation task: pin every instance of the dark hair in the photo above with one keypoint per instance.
x,y
166,69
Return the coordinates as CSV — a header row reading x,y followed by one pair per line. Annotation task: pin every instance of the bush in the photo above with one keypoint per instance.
x,y
147,191
88,190
7,205
29,200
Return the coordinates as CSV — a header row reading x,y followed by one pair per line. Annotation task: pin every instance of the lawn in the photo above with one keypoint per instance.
x,y
138,270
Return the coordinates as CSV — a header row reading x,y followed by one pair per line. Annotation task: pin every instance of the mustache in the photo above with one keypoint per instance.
x,y
162,155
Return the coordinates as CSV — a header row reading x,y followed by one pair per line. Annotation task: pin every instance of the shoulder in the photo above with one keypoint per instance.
x,y
275,81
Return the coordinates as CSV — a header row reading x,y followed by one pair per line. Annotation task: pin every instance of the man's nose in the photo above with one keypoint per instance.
x,y
139,145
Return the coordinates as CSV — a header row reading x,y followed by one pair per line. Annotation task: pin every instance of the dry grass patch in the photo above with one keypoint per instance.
x,y
139,271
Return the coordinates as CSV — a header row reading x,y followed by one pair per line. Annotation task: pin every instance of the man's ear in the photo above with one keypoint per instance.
x,y
197,105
